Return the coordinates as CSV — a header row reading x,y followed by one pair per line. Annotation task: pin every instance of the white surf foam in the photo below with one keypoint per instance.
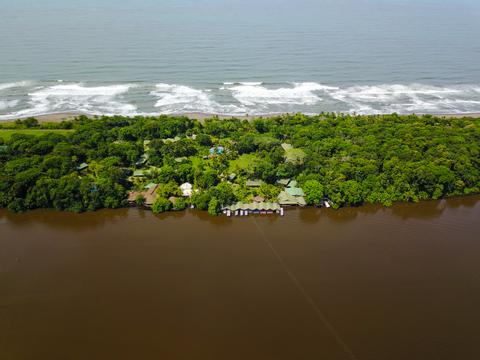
x,y
387,98
6,104
300,94
184,99
78,98
18,84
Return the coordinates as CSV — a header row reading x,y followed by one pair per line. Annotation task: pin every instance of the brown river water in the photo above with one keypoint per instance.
x,y
359,283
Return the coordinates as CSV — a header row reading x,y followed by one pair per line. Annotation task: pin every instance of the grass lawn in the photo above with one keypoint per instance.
x,y
245,162
6,134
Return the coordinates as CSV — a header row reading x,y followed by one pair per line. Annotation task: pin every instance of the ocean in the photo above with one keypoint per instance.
x,y
239,57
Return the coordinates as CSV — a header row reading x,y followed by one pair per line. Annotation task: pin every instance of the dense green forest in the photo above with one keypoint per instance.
x,y
347,159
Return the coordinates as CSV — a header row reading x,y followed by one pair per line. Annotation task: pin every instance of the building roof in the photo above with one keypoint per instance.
x,y
149,186
283,182
294,191
293,183
138,173
82,166
258,199
286,199
181,159
150,195
175,139
132,196
263,206
286,146
254,183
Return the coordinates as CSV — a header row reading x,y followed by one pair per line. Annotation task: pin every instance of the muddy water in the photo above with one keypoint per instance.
x,y
366,283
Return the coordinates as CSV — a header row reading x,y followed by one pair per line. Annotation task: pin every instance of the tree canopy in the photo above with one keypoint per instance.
x,y
92,163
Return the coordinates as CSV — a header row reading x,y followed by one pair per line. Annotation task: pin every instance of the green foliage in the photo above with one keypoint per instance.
x,y
169,189
349,159
179,204
161,205
269,192
223,193
140,200
313,192
200,200
214,207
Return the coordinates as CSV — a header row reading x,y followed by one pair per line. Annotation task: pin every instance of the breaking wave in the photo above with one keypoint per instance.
x,y
18,84
410,98
21,99
78,98
174,99
300,93
4,104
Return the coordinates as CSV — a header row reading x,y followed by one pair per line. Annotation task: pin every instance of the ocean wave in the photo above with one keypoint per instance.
x,y
78,98
32,98
4,104
18,84
247,83
184,99
299,94
401,98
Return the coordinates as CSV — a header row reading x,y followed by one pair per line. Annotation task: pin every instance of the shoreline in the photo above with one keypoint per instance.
x,y
469,199
68,116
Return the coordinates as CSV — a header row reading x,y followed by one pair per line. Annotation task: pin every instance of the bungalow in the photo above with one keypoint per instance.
x,y
149,195
82,166
181,159
254,183
254,208
133,196
149,186
294,191
286,199
138,173
293,183
283,182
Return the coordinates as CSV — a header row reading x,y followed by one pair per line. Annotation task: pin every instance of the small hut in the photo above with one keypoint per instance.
x,y
254,183
82,166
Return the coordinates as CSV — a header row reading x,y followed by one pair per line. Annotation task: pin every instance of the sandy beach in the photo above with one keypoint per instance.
x,y
58,117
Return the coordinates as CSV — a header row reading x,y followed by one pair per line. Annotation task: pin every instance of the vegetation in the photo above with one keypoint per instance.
x,y
88,164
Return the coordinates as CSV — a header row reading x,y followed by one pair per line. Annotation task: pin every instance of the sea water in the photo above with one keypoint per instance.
x,y
239,56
